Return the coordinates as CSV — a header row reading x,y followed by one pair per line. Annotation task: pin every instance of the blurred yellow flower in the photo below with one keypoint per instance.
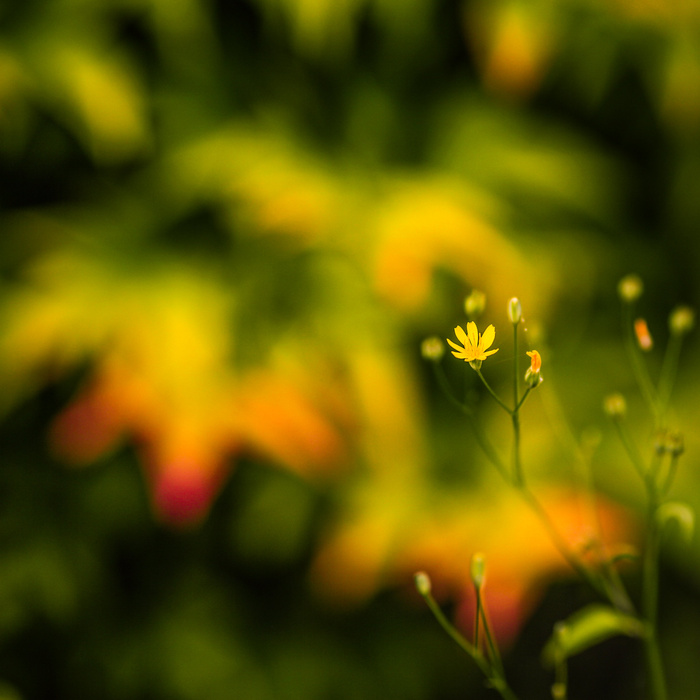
x,y
475,345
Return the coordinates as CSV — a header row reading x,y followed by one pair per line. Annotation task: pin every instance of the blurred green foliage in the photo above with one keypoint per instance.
x,y
225,227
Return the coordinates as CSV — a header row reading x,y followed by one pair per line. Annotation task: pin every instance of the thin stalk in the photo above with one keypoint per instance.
x,y
650,599
517,464
497,398
616,591
494,654
516,363
641,372
493,674
481,439
522,398
631,449
670,474
445,387
560,543
669,370
477,617
515,415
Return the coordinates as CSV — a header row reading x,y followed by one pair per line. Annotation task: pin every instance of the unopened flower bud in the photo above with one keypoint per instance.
x,y
630,288
641,332
423,584
533,378
675,444
475,304
478,569
432,349
515,310
615,405
681,320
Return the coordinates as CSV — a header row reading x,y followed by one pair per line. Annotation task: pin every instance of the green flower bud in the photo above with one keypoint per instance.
x,y
432,349
630,288
423,584
478,569
615,405
515,310
475,304
675,444
533,378
681,320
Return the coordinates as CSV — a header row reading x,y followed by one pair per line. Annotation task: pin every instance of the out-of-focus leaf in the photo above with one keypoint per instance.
x,y
536,165
319,27
91,86
588,627
680,513
678,97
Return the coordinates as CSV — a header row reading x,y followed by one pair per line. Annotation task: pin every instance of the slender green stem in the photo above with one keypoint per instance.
x,y
477,617
483,442
560,543
641,372
515,415
518,478
669,369
522,398
655,465
494,674
494,654
445,387
561,673
497,398
456,636
631,449
516,370
670,475
616,591
650,596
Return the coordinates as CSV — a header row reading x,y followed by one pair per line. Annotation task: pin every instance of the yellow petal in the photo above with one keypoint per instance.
x,y
488,337
473,334
454,345
461,335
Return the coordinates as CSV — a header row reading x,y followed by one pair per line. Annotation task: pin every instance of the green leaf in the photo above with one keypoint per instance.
x,y
588,627
682,513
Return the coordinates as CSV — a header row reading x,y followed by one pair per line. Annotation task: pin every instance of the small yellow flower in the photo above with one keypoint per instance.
x,y
474,346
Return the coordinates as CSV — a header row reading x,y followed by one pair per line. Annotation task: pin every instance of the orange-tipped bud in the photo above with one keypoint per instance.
x,y
641,332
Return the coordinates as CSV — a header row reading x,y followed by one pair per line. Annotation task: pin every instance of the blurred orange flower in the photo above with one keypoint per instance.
x,y
160,349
